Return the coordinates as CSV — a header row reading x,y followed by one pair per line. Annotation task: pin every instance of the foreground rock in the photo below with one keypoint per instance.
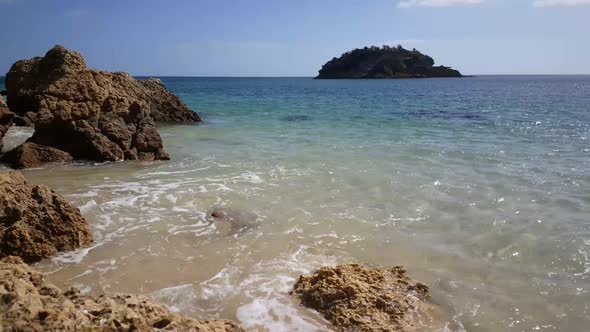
x,y
91,114
30,303
354,298
36,222
384,62
29,155
6,119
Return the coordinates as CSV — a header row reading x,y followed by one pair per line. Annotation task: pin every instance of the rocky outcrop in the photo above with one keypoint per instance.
x,y
91,114
29,155
355,298
6,119
384,62
36,222
165,106
28,302
28,80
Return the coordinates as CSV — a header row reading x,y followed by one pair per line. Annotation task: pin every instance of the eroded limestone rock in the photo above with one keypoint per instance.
x,y
91,114
36,222
28,302
355,298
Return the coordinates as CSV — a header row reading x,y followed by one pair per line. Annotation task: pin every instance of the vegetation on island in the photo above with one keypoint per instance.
x,y
384,62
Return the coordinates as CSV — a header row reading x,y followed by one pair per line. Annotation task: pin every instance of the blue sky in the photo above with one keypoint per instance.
x,y
294,38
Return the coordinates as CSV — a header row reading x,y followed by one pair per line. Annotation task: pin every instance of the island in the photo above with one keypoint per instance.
x,y
384,62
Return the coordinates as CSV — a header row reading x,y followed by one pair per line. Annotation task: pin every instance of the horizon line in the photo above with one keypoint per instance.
x,y
221,76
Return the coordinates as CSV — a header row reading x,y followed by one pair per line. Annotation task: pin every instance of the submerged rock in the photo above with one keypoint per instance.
x,y
29,155
236,219
30,303
91,114
36,222
355,298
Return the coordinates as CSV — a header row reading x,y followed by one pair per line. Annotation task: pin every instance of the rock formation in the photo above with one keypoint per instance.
x,y
29,155
36,222
6,119
28,302
385,62
28,80
355,298
91,114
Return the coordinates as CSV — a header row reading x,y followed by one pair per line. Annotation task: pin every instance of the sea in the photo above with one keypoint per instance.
x,y
479,186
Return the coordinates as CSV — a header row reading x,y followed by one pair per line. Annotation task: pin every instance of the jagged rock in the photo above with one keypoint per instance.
x,y
355,298
29,155
6,118
36,222
30,303
91,114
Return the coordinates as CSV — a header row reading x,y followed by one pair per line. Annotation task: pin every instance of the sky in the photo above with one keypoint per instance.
x,y
294,38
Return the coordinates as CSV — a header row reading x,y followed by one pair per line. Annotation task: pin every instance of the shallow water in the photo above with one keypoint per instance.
x,y
480,186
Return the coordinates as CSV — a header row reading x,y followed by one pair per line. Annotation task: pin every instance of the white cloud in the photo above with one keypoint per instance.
x,y
560,3
439,3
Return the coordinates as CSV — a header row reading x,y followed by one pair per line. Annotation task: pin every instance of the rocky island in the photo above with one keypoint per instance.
x,y
384,62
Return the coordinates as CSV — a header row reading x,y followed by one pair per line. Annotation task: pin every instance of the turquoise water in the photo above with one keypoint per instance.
x,y
480,186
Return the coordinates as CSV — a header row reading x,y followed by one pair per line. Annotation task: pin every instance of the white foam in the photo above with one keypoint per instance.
x,y
273,315
88,206
220,285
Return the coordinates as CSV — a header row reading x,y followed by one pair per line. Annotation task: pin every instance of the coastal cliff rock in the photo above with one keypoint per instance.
x,y
384,62
355,298
6,119
36,222
91,114
28,302
29,155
